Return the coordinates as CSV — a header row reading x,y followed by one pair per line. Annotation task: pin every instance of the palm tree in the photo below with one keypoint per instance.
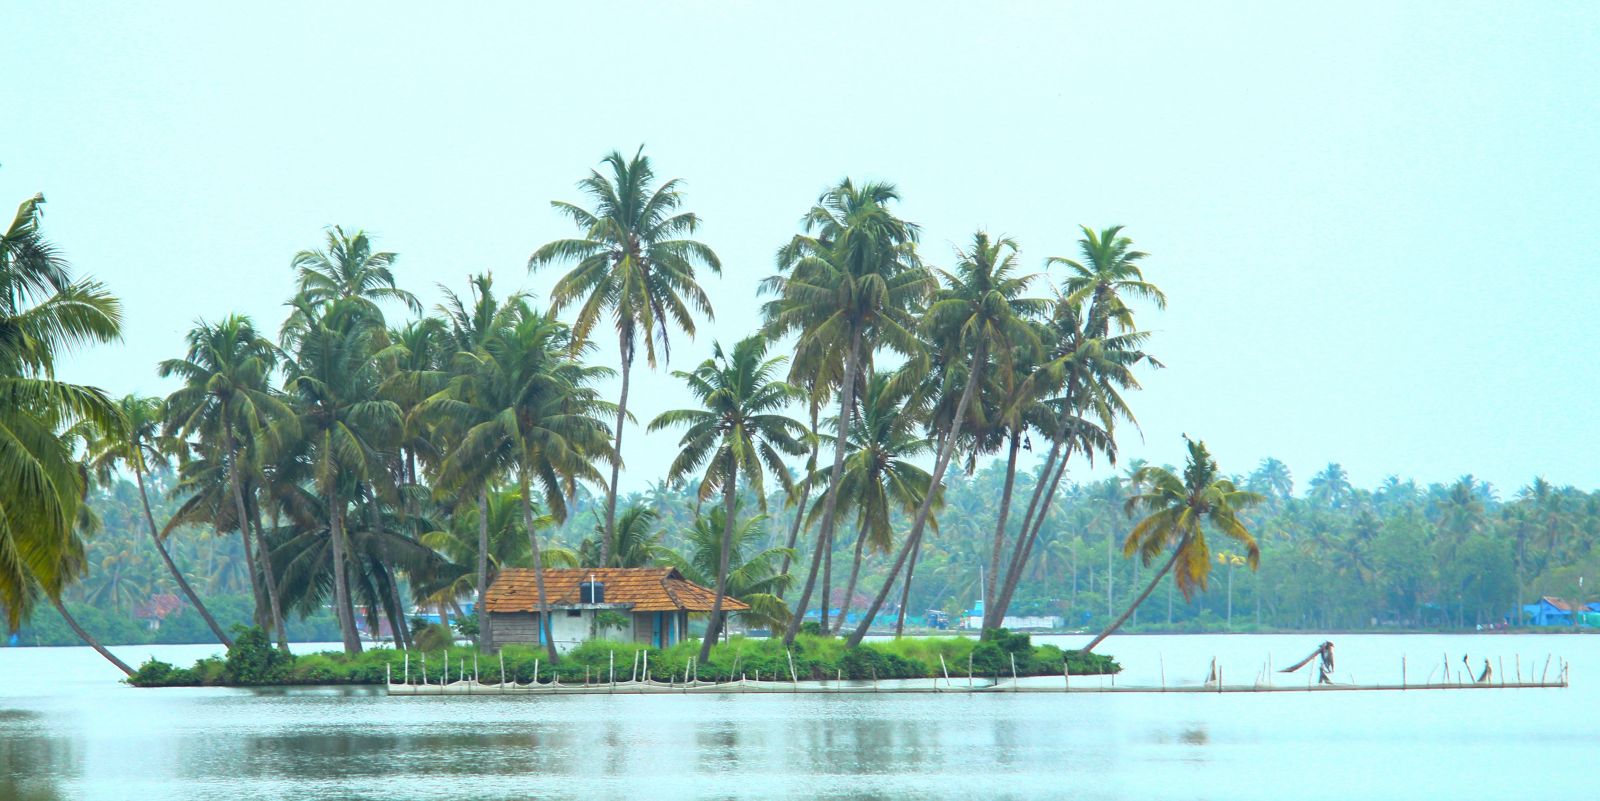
x,y
43,313
537,413
1093,367
636,543
346,270
139,447
1330,487
1179,508
468,326
1272,479
333,377
225,395
632,260
980,311
850,285
739,431
752,575
1109,271
879,477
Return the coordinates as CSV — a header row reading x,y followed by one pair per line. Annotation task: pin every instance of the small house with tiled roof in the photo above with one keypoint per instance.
x,y
1551,611
649,605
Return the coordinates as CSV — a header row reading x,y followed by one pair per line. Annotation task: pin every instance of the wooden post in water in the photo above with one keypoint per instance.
x,y
502,671
1545,675
408,668
646,666
424,667
1519,668
1066,674
969,669
793,676
1402,671
387,678
946,670
1162,660
536,672
1013,672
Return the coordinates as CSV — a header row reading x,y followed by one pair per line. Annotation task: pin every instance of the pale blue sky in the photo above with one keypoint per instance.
x,y
1376,223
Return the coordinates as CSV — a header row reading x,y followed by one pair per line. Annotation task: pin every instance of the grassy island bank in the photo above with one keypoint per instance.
x,y
253,662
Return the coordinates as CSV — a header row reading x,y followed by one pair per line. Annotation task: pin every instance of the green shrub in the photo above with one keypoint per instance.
x,y
253,660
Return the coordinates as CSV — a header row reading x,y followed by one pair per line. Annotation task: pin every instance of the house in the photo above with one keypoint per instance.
x,y
1549,611
648,605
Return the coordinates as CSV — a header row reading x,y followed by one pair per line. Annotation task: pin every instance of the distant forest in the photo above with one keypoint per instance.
x,y
1333,556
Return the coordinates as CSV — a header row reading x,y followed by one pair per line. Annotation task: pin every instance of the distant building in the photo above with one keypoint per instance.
x,y
974,620
1550,611
643,605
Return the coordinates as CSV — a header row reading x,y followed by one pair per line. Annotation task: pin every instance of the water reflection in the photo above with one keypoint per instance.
x,y
32,763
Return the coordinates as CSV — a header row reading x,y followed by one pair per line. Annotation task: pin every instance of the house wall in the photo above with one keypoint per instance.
x,y
568,631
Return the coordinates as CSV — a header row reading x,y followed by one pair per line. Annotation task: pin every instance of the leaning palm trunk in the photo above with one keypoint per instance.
x,y
847,398
1031,525
341,582
850,585
715,624
269,580
485,632
914,537
1000,527
800,508
538,568
1149,588
905,594
88,640
172,567
616,454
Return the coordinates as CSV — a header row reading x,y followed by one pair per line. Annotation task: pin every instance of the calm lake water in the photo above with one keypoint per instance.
x,y
69,730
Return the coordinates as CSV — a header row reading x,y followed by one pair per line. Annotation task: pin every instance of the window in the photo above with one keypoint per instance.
x,y
574,613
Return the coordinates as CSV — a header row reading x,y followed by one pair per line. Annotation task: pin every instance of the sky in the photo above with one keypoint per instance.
x,y
1377,224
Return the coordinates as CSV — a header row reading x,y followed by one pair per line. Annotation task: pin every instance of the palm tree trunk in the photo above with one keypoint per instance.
x,y
341,581
994,589
1116,624
270,580
905,594
88,640
921,521
800,508
485,640
398,620
850,586
172,567
826,606
1031,526
538,565
847,403
236,488
626,346
714,626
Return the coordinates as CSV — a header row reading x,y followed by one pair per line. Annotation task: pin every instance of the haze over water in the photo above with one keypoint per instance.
x,y
68,730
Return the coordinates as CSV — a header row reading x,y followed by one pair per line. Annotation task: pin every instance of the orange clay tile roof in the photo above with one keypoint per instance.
x,y
648,589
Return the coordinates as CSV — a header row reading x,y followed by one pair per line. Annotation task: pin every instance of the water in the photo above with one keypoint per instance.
x,y
68,730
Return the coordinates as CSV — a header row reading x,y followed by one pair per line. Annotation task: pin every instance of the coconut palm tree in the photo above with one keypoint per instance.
x,y
468,325
225,402
346,270
543,421
880,477
1108,273
635,262
637,543
979,313
333,378
1179,508
849,285
752,574
44,312
740,431
138,447
1091,368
